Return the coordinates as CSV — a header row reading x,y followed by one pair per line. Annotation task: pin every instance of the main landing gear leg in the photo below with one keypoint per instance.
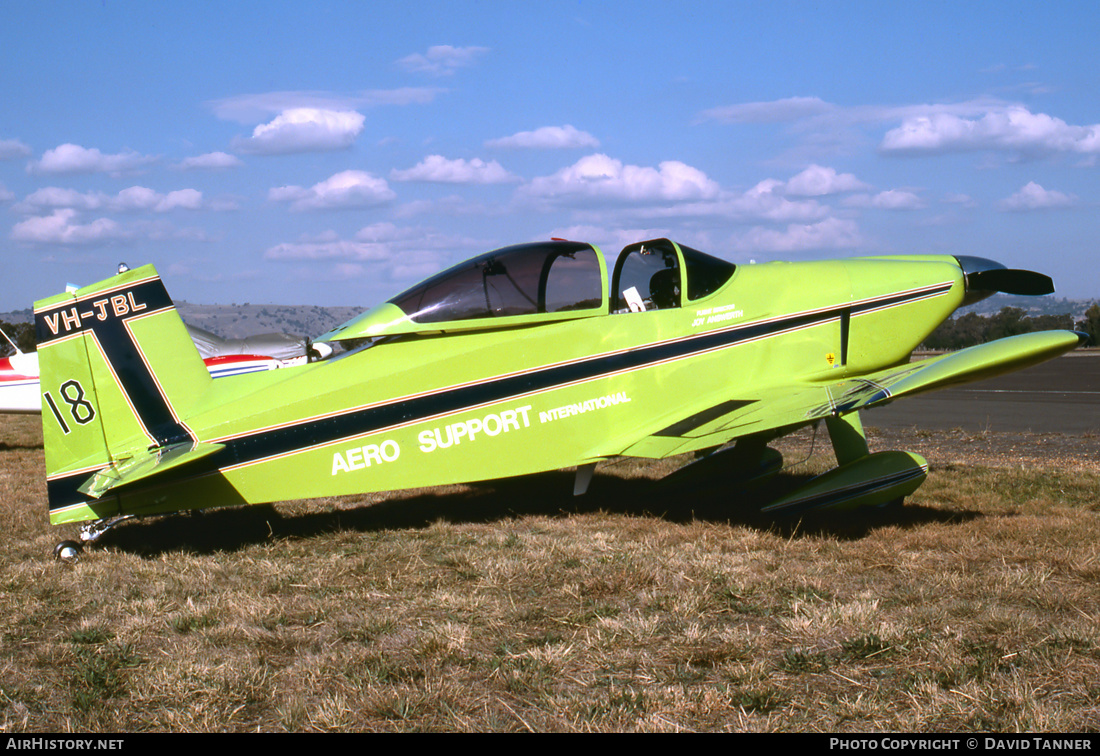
x,y
849,440
90,532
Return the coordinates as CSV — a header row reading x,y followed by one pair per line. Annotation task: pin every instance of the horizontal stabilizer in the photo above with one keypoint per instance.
x,y
144,464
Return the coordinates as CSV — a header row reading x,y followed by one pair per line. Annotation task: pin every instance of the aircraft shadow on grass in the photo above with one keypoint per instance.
x,y
542,495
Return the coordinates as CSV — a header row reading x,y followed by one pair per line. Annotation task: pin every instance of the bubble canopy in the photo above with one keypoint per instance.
x,y
523,283
540,282
525,279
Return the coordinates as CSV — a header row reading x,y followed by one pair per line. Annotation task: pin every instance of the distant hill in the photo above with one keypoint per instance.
x,y
238,321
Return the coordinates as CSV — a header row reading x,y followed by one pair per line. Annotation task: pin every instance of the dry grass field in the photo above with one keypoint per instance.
x,y
513,606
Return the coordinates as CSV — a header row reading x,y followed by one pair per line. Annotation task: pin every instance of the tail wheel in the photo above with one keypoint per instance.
x,y
68,551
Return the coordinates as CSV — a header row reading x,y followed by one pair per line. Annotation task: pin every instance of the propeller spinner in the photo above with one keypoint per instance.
x,y
987,277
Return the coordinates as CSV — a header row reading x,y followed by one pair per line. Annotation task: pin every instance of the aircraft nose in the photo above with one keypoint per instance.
x,y
986,277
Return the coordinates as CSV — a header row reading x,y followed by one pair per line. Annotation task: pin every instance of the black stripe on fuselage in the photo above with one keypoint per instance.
x,y
273,442
884,303
277,441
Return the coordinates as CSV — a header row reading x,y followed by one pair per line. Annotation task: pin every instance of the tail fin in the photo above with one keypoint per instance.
x,y
118,376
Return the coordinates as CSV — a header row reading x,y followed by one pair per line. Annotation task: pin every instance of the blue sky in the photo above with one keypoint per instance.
x,y
334,153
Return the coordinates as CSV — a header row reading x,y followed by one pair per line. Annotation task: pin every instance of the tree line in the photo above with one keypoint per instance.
x,y
971,328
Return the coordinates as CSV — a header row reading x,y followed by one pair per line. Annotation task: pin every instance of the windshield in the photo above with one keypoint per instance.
x,y
648,276
705,274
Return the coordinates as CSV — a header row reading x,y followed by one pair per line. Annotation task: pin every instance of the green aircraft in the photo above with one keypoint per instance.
x,y
525,359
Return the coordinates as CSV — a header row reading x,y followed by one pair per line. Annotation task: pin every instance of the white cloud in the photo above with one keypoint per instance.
x,y
304,130
822,117
773,111
142,198
891,199
134,199
184,199
13,148
5,193
964,200
441,60
673,190
818,181
72,158
611,240
831,233
1034,197
766,200
61,228
210,161
546,138
438,169
603,178
983,123
384,231
400,255
453,204
1012,128
897,199
55,196
339,249
250,108
65,227
378,242
348,189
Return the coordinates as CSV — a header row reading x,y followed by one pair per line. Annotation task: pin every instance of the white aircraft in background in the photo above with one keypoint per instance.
x,y
19,381
19,392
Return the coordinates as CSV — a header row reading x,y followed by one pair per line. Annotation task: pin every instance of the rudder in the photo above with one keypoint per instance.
x,y
119,374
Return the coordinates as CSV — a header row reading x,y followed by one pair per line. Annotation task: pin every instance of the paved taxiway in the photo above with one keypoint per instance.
x,y
1059,396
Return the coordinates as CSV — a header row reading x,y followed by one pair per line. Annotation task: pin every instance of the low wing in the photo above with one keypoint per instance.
x,y
964,366
787,407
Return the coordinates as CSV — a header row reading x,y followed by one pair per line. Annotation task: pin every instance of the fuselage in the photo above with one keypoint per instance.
x,y
445,407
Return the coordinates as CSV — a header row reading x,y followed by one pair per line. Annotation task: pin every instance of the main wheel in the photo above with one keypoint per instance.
x,y
68,551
